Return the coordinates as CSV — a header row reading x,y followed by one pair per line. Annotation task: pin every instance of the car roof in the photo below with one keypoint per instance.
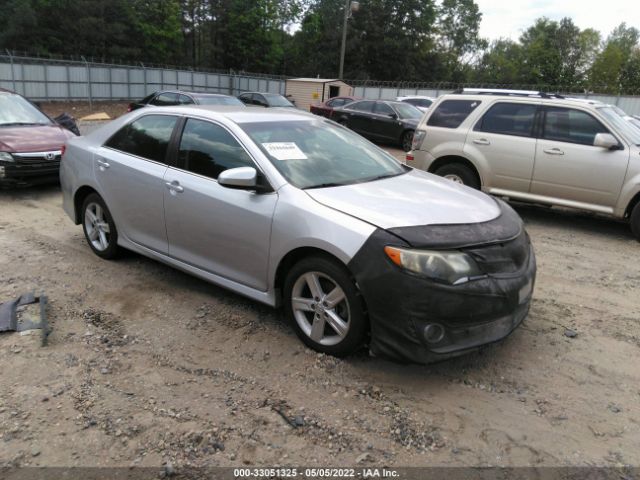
x,y
188,92
521,95
240,114
420,97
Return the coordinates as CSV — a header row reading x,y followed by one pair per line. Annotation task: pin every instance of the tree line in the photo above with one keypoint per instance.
x,y
408,40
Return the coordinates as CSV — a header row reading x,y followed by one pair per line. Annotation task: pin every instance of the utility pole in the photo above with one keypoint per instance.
x,y
350,7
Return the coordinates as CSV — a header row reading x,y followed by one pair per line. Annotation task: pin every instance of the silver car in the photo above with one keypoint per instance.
x,y
292,209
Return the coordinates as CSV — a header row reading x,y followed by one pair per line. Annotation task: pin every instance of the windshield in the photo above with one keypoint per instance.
x,y
406,110
221,100
318,153
15,110
278,101
630,132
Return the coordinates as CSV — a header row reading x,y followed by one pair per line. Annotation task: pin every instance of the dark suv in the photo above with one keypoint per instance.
x,y
31,143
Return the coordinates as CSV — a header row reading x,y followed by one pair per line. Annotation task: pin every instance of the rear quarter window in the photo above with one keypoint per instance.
x,y
451,113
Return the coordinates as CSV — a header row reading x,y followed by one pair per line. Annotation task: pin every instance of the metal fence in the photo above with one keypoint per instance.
x,y
47,79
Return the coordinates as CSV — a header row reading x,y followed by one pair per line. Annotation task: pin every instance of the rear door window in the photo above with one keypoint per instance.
x,y
572,126
208,149
451,113
509,119
362,106
147,137
383,109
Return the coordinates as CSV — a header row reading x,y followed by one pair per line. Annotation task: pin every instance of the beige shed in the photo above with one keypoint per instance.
x,y
307,91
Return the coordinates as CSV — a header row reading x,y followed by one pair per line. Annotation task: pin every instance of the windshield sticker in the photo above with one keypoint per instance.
x,y
284,151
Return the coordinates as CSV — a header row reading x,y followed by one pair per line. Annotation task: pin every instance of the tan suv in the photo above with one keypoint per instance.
x,y
535,147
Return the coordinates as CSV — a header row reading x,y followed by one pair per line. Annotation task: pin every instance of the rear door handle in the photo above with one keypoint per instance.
x,y
102,164
174,187
481,141
553,151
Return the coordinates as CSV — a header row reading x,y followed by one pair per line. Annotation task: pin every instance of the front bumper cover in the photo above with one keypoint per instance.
x,y
31,173
401,305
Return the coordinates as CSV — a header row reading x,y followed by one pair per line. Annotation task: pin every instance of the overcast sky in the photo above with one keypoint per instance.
x,y
503,18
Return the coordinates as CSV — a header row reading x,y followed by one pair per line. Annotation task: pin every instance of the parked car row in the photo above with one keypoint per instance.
x,y
300,211
167,98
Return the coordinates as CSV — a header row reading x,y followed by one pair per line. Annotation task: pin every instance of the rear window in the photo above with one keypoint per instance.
x,y
508,119
451,113
418,102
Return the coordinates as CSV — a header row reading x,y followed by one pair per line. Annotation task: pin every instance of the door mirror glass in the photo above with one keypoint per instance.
x,y
606,140
241,177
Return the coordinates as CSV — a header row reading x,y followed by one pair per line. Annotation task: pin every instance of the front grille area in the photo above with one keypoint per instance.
x,y
506,257
31,159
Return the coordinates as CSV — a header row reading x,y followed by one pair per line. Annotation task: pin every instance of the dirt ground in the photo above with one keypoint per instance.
x,y
82,109
149,366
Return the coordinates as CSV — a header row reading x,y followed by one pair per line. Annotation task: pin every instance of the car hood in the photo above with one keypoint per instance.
x,y
415,198
33,138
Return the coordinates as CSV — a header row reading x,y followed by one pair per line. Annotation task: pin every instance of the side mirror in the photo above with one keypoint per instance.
x,y
606,140
243,178
393,115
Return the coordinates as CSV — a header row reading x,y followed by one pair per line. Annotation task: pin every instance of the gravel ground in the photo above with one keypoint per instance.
x,y
148,366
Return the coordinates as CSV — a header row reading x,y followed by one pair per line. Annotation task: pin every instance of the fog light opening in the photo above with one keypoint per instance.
x,y
433,333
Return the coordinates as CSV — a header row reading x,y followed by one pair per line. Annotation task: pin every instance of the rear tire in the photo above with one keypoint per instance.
x,y
634,220
459,173
324,306
407,140
99,227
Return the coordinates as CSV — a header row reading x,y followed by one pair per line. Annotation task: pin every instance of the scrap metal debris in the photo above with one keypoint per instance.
x,y
27,312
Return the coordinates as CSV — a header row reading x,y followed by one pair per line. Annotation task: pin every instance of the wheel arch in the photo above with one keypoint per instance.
x,y
293,257
632,203
78,199
449,159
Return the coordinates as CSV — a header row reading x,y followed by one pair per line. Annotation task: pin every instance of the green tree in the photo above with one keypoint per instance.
x,y
458,37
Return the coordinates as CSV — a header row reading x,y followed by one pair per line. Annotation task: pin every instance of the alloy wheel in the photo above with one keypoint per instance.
x,y
320,308
97,226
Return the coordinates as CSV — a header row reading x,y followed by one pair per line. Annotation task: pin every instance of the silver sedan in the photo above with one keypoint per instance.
x,y
294,210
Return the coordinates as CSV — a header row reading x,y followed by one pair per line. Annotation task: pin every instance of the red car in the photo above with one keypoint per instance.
x,y
30,142
325,109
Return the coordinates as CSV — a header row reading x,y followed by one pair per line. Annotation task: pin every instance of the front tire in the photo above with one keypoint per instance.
x,y
407,140
459,173
634,220
324,306
99,227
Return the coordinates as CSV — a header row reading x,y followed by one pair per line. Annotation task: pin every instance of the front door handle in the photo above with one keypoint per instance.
x,y
102,164
481,141
174,187
553,151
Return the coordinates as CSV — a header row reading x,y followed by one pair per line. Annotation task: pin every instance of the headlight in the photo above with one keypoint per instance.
x,y
450,267
6,157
